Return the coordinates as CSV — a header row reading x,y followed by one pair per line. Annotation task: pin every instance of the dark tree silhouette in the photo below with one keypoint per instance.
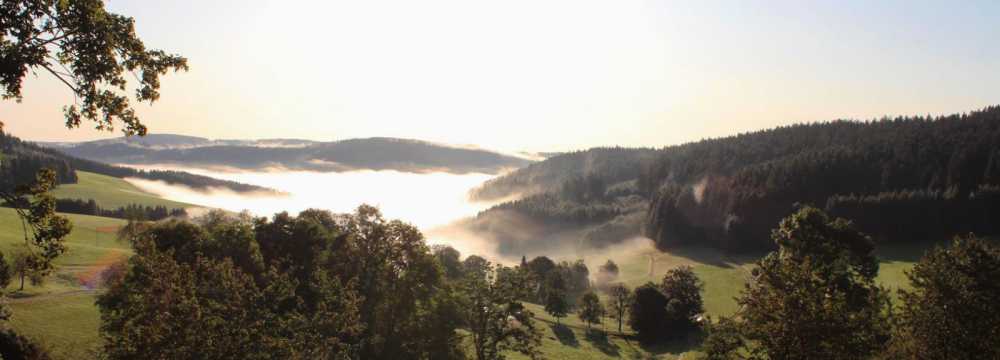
x,y
90,50
954,304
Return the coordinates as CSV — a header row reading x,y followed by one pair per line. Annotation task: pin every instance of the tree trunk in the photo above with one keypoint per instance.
x,y
22,283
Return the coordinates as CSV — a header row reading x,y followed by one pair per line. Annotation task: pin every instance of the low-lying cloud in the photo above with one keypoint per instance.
x,y
425,200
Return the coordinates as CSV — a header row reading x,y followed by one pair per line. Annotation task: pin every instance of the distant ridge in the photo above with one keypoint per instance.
x,y
22,159
378,153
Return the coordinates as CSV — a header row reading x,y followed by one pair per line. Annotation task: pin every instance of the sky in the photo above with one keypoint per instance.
x,y
543,75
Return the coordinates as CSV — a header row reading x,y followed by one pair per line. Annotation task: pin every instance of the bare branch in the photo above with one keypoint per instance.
x,y
56,74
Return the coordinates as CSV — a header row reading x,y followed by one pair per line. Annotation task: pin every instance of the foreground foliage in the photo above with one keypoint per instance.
x,y
88,49
814,298
953,311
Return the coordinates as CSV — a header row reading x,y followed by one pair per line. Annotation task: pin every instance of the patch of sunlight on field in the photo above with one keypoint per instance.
x,y
111,192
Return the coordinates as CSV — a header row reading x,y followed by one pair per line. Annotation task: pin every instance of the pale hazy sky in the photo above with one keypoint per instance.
x,y
544,75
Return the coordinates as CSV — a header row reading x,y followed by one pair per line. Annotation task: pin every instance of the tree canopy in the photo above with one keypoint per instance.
x,y
953,310
92,51
813,298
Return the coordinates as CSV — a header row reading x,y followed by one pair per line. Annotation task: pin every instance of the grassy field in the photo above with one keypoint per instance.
x,y
111,192
61,314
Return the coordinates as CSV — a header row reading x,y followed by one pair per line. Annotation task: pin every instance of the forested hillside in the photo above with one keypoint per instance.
x,y
900,179
21,160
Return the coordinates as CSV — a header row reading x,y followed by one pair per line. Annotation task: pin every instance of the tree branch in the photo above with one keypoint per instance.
x,y
56,74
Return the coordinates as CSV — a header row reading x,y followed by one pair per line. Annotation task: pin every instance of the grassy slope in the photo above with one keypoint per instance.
x,y
110,192
61,313
723,277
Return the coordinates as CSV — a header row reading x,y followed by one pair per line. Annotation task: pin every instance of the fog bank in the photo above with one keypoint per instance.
x,y
425,200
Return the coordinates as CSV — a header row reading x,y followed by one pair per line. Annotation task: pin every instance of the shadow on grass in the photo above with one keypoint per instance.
x,y
565,335
905,252
690,342
702,255
21,295
600,341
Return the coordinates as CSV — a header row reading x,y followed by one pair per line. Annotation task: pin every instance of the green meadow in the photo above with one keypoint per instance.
x,y
61,313
111,192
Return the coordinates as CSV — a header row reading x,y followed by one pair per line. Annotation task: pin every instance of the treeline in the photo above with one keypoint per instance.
x,y
728,192
129,212
750,181
922,214
608,165
21,161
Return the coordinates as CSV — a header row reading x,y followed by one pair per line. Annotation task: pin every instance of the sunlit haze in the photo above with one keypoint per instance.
x,y
431,201
426,200
543,75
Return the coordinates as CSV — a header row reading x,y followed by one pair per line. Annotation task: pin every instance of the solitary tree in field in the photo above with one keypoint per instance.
x,y
90,50
591,309
648,312
555,297
953,311
495,316
606,274
682,289
20,266
620,298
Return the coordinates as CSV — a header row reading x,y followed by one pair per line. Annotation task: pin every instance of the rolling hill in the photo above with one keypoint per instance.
x,y
21,160
353,154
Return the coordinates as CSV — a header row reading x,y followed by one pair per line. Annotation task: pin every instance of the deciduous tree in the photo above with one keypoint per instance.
x,y
647,313
90,50
620,299
682,289
953,311
496,318
555,297
591,310
815,297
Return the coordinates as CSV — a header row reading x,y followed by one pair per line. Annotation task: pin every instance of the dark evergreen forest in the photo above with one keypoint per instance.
x,y
900,179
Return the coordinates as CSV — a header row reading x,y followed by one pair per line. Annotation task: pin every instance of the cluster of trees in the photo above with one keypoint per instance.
x,y
815,297
131,211
314,285
656,312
